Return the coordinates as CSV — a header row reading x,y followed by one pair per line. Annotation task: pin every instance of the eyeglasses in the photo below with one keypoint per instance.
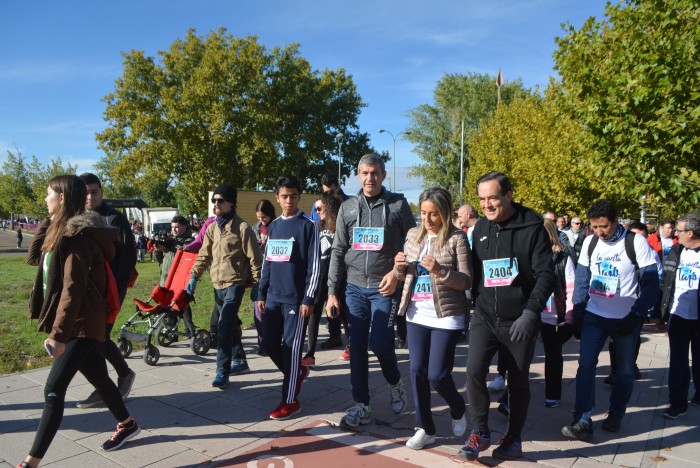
x,y
217,200
574,222
683,230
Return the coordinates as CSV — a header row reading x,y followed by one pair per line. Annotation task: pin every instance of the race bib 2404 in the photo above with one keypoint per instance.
x,y
499,272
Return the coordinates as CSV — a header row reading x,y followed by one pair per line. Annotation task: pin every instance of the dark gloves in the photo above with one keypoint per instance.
x,y
630,323
579,310
524,327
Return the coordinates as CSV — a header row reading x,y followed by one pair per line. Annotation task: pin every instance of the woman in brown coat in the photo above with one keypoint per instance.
x,y
69,302
436,269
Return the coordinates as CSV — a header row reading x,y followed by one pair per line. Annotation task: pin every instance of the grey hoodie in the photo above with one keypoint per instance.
x,y
367,268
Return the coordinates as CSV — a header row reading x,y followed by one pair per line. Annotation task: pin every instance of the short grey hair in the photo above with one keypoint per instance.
x,y
692,223
371,159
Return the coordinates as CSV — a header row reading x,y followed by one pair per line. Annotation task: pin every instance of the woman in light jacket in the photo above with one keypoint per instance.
x,y
69,301
436,269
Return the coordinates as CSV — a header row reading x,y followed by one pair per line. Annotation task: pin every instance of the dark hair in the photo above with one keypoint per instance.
x,y
638,226
602,209
74,193
287,181
89,178
180,220
501,178
329,179
667,221
332,204
266,207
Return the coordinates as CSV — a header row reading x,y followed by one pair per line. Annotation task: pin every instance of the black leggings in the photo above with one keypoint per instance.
x,y
80,355
111,353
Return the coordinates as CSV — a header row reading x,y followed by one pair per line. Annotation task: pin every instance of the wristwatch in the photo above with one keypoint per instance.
x,y
443,272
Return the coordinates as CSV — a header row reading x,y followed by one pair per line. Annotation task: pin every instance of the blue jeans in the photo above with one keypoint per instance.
x,y
228,301
369,309
594,332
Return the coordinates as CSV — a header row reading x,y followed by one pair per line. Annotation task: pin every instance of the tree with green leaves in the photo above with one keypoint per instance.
x,y
545,153
38,175
633,80
222,108
15,192
436,129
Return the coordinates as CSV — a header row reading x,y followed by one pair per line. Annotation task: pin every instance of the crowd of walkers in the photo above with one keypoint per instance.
x,y
502,281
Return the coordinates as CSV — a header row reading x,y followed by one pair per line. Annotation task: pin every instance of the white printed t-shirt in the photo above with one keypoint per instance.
x,y
610,263
685,293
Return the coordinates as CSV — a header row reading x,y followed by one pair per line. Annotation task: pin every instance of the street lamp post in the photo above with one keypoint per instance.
x,y
393,158
339,138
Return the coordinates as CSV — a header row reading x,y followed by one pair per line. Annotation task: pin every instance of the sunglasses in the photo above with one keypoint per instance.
x,y
576,223
318,209
217,200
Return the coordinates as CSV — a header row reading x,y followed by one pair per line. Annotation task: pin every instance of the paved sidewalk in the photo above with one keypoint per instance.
x,y
188,423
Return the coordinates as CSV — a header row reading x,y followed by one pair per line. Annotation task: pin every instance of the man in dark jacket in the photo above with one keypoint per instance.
x,y
679,306
122,266
513,279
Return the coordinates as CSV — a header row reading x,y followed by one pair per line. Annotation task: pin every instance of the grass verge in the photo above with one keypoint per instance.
x,y
21,346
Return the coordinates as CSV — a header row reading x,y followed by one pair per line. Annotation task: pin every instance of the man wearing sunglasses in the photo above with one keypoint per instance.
x,y
230,250
576,234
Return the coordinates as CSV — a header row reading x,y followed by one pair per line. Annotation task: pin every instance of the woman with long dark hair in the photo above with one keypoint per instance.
x,y
265,212
69,302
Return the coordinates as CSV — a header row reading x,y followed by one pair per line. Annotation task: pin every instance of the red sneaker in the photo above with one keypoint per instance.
x,y
285,411
300,379
346,354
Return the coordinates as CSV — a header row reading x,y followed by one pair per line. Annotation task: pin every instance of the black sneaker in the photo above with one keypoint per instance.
x,y
93,399
125,384
332,342
613,422
123,433
672,412
581,430
610,380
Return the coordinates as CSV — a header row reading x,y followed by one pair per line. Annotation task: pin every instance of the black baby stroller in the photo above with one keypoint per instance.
x,y
162,314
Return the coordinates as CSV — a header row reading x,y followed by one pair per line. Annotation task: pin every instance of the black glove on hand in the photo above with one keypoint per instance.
x,y
579,310
524,327
629,324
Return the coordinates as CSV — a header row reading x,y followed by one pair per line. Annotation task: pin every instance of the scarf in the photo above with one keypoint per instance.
x,y
618,233
222,220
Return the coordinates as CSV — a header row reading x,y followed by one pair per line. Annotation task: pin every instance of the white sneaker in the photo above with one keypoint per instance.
x,y
356,415
420,439
398,397
498,384
459,426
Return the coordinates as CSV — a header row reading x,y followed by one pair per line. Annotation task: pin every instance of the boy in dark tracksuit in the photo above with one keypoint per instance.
x,y
288,286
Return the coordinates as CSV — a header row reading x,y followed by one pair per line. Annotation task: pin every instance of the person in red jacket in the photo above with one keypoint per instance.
x,y
663,239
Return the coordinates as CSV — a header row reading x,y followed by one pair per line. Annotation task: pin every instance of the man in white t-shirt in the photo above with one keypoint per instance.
x,y
615,284
679,307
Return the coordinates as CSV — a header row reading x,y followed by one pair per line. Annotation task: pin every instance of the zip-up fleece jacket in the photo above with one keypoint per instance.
x,y
296,281
73,305
367,268
448,292
233,252
522,237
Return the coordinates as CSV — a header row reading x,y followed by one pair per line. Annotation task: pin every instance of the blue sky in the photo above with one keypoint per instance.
x,y
59,59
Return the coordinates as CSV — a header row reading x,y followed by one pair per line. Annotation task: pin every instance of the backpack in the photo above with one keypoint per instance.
x,y
112,302
629,248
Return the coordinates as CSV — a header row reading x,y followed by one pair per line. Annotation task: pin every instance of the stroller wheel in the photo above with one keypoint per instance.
x,y
151,355
125,347
166,335
201,342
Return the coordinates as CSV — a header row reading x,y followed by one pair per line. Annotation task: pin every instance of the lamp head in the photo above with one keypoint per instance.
x,y
339,137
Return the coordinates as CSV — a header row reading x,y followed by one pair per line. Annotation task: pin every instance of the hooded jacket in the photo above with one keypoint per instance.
x,y
524,238
367,268
73,305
